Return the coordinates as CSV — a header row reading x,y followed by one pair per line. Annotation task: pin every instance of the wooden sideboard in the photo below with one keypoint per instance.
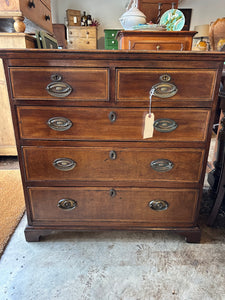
x,y
155,40
37,11
79,122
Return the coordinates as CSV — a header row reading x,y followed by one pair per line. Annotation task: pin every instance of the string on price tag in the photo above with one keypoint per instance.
x,y
149,118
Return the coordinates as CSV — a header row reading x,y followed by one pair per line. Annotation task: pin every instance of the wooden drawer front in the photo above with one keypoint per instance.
x,y
82,43
108,164
40,14
82,32
86,83
136,84
124,205
145,45
127,126
47,3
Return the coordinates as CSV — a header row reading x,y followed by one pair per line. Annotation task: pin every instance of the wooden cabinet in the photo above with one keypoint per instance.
x,y
79,121
37,11
155,40
82,37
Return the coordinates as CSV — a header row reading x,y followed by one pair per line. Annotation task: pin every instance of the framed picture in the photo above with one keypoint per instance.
x,y
187,14
46,41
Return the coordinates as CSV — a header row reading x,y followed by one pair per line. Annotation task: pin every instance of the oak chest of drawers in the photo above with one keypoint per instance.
x,y
79,120
82,37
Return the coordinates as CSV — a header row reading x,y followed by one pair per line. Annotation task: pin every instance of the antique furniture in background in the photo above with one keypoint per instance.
x,y
217,35
154,9
111,42
155,40
82,37
60,34
79,122
37,11
7,138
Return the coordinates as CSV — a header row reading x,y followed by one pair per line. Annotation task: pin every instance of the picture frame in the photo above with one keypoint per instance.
x,y
45,41
187,14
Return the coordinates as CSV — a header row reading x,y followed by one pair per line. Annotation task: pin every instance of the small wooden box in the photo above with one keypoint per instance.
x,y
73,17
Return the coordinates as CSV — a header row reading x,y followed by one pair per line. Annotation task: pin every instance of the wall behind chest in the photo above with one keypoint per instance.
x,y
108,12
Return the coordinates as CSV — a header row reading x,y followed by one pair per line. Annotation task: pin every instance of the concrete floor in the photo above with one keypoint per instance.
x,y
114,266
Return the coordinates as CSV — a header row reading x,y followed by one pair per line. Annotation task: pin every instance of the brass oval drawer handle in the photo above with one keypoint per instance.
x,y
165,125
157,47
158,205
31,4
162,165
112,193
67,204
164,89
59,123
59,89
112,155
64,164
112,116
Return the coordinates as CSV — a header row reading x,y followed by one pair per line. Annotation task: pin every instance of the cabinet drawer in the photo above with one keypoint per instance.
x,y
47,3
134,85
82,43
113,164
62,83
82,32
110,33
167,46
122,205
118,124
111,42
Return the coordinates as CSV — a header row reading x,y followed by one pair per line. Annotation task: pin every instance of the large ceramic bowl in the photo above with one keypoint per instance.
x,y
132,17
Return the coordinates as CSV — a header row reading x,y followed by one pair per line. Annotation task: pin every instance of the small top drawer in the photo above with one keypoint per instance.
x,y
110,33
60,83
82,31
172,86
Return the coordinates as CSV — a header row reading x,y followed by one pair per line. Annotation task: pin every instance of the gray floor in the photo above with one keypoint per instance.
x,y
114,265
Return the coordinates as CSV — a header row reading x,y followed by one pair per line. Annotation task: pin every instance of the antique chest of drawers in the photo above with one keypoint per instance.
x,y
37,11
79,121
155,40
82,37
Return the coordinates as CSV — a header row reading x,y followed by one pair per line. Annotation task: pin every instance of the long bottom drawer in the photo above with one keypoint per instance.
x,y
151,206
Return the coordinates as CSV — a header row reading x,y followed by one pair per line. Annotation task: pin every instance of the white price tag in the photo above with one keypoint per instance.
x,y
149,128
